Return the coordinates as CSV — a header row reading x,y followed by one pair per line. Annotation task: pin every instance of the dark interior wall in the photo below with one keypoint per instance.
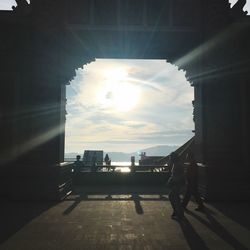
x,y
32,108
222,124
13,80
198,122
32,96
225,113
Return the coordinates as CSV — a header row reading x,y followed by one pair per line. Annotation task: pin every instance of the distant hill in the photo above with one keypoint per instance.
x,y
71,155
119,156
161,150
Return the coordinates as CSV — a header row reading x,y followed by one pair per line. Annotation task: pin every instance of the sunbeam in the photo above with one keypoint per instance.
x,y
206,47
31,144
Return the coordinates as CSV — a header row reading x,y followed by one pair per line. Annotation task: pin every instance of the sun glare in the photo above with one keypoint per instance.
x,y
123,105
117,92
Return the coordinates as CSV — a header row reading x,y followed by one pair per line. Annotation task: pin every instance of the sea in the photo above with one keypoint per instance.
x,y
123,165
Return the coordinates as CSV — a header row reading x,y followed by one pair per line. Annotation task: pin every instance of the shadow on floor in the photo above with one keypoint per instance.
x,y
15,215
134,196
231,210
117,194
192,237
216,227
138,208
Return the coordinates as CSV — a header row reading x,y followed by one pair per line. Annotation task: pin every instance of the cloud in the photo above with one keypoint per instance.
x,y
161,115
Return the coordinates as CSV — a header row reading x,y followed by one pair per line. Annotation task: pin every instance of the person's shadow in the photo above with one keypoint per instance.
x,y
134,196
193,239
81,197
218,229
138,208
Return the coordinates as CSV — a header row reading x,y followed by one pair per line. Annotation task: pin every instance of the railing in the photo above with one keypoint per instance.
x,y
122,168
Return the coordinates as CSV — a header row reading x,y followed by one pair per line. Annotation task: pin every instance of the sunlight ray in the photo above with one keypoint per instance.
x,y
206,47
34,142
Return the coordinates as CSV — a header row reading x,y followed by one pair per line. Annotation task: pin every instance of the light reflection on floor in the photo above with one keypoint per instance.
x,y
122,169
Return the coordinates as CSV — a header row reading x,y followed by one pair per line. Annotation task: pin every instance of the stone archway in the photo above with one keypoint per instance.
x,y
41,51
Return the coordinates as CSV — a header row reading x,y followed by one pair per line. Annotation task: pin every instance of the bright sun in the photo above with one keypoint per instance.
x,y
117,92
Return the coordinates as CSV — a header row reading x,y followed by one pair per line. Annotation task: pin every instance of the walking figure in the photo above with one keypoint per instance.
x,y
175,182
107,162
192,183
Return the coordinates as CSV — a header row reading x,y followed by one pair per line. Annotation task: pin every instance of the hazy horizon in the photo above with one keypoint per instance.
x,y
139,150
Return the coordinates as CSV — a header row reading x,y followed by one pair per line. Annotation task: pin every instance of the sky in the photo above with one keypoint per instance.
x,y
128,105
6,4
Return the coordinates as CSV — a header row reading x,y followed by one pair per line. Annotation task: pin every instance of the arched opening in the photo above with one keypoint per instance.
x,y
128,106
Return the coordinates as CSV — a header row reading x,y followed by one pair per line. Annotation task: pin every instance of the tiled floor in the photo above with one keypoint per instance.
x,y
104,219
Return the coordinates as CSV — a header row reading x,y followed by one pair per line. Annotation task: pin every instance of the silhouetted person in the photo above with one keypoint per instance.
x,y
192,183
77,164
107,161
94,163
175,182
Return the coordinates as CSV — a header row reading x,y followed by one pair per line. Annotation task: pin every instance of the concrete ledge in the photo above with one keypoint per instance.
x,y
117,178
